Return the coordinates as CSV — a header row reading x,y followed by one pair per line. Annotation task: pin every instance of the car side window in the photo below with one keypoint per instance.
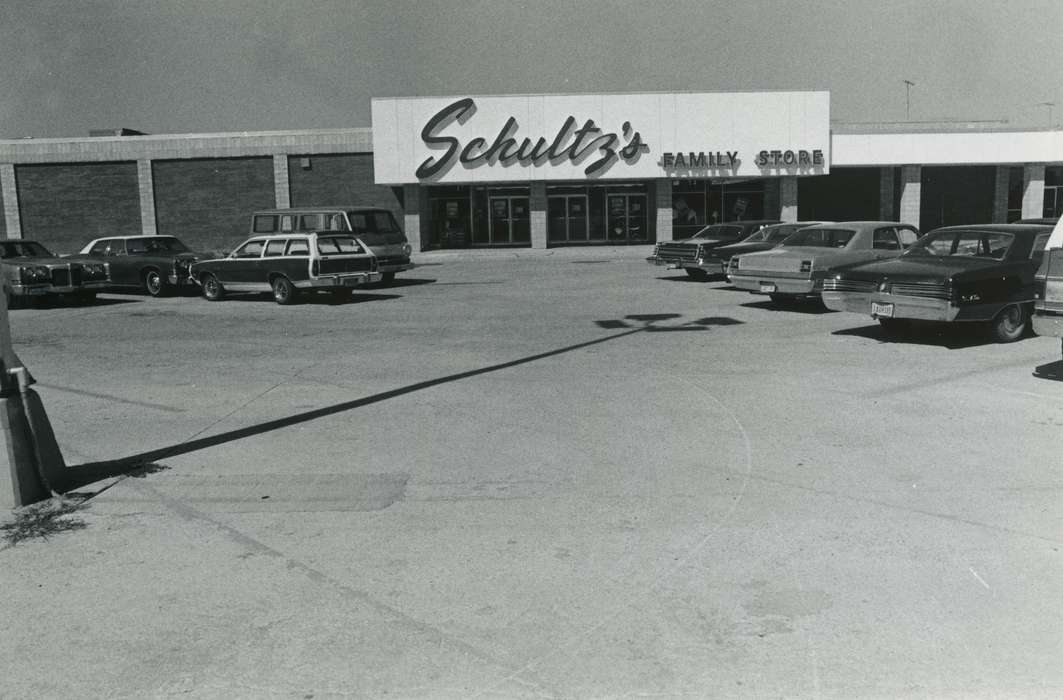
x,y
1038,249
885,239
264,223
908,236
299,246
116,247
251,249
275,249
100,248
309,222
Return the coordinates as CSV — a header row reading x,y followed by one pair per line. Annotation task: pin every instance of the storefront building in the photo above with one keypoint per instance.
x,y
550,170
536,171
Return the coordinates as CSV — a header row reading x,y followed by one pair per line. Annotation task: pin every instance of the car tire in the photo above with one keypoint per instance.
x,y
212,289
154,283
283,290
696,273
1010,324
387,277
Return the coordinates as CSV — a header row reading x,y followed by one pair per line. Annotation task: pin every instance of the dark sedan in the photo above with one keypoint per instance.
x,y
154,264
981,273
31,270
692,254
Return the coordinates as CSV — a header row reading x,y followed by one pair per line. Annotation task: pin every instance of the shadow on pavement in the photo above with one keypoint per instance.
x,y
1053,371
953,336
50,303
807,306
701,279
88,473
399,282
323,299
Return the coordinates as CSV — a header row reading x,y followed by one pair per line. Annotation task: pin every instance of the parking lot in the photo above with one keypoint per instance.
x,y
557,473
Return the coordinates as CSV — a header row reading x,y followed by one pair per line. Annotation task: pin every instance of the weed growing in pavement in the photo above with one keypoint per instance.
x,y
43,519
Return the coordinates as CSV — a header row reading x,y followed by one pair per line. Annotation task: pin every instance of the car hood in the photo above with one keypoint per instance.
x,y
919,269
51,260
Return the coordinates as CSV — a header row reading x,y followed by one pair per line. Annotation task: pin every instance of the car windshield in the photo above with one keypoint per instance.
x,y
23,249
162,244
964,244
376,227
820,237
719,231
337,245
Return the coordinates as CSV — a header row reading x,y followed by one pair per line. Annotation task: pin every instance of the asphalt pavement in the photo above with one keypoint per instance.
x,y
539,474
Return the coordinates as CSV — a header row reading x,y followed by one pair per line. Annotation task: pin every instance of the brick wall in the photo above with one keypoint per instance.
x,y
208,203
339,180
65,206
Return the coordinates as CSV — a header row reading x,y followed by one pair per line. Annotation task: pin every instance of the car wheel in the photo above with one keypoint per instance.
x,y
1009,324
696,273
283,291
154,284
212,289
387,277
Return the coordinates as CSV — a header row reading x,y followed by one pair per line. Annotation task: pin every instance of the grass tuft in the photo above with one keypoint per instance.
x,y
42,520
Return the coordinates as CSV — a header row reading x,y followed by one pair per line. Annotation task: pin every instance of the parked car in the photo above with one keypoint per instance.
x,y
31,270
1048,305
958,273
154,264
715,260
290,263
691,254
375,228
797,267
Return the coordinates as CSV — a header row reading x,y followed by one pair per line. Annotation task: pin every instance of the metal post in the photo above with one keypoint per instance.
x,y
908,99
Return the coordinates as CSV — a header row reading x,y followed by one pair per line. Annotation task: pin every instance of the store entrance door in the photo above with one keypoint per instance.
x,y
567,218
627,218
510,221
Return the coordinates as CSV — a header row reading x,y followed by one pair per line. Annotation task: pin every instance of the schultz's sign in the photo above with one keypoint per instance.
x,y
569,144
575,138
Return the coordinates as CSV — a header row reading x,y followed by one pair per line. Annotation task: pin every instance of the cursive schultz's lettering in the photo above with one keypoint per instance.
x,y
568,144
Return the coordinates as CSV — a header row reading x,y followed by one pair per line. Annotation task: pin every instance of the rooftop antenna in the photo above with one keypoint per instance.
x,y
908,99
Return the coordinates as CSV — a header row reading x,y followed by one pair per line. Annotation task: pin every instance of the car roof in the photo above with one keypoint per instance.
x,y
1031,229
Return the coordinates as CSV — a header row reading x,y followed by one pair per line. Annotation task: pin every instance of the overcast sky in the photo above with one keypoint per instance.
x,y
176,66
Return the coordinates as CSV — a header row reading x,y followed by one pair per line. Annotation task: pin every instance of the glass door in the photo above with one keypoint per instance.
x,y
627,218
567,218
510,221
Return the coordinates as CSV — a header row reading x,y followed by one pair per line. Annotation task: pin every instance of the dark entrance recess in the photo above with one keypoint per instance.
x,y
955,195
846,194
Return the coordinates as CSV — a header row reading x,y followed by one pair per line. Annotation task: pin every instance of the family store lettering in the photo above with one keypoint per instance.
x,y
506,150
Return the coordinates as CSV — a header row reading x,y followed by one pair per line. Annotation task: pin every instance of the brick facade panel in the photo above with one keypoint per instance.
x,y
64,206
339,180
208,203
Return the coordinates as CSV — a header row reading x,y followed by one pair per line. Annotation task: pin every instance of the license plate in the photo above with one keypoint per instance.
x,y
767,288
881,310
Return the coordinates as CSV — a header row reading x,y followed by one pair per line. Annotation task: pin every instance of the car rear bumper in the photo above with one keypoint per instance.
x,y
350,279
1048,324
396,267
42,289
916,308
760,284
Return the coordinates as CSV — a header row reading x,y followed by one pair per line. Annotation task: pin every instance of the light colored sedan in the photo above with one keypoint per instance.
x,y
796,268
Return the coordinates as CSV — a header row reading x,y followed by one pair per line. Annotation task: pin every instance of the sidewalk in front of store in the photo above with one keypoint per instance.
x,y
563,252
